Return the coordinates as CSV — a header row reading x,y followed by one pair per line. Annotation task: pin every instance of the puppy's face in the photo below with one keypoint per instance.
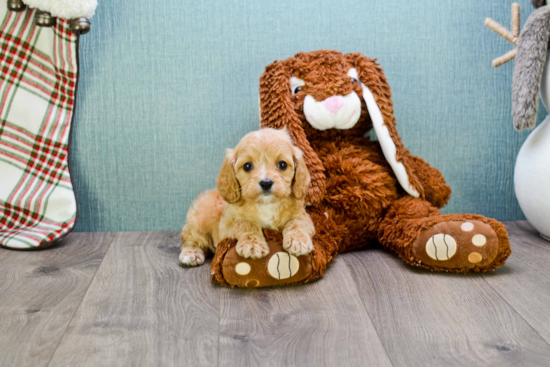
x,y
266,168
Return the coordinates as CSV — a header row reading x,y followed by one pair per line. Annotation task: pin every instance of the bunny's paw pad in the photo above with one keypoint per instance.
x,y
277,268
457,245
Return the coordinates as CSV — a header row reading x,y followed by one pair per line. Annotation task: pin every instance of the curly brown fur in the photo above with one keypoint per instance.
x,y
408,217
356,197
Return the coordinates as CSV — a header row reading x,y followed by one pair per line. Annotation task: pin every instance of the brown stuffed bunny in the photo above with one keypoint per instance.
x,y
361,191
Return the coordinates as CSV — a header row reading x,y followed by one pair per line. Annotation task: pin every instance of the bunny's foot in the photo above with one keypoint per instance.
x,y
466,245
459,243
277,268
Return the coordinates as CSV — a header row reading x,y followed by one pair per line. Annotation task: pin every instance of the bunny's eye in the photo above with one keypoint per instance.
x,y
353,80
296,84
247,167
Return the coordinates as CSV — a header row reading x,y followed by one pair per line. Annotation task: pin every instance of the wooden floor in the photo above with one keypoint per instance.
x,y
121,299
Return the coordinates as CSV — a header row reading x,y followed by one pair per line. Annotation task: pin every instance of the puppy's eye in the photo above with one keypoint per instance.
x,y
353,80
282,165
296,90
247,167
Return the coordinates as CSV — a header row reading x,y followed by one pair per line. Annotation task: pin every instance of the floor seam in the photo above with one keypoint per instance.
x,y
536,246
219,321
529,233
81,300
366,310
514,309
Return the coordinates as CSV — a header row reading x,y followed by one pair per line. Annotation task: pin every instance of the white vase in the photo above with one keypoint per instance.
x,y
532,173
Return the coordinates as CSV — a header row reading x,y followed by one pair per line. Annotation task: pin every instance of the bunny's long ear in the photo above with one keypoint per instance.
x,y
529,67
277,111
377,96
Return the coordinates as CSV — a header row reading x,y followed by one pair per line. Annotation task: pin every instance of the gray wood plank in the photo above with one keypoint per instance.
x,y
319,324
143,309
40,292
440,319
525,281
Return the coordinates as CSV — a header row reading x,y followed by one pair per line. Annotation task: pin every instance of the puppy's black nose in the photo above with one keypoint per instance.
x,y
266,184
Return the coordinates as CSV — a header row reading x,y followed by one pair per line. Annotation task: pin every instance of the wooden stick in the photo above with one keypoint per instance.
x,y
510,36
509,56
515,20
501,31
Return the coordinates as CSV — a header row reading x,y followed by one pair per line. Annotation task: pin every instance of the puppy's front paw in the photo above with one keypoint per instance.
x,y
252,249
297,243
191,256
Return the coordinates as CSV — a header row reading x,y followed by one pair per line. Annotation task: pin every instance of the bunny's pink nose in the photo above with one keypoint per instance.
x,y
333,104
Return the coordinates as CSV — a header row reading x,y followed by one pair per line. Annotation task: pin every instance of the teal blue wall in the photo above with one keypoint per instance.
x,y
167,85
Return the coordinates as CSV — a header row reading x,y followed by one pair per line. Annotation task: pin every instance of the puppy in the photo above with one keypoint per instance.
x,y
262,184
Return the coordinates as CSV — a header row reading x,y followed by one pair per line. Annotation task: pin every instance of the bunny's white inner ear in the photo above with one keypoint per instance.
x,y
386,142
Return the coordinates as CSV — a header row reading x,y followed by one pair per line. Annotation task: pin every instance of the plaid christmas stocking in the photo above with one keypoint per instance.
x,y
38,80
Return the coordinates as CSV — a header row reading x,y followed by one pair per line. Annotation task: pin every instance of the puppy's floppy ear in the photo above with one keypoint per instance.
x,y
300,183
227,183
277,111
377,96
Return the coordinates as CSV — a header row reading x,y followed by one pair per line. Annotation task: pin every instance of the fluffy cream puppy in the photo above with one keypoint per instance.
x,y
261,184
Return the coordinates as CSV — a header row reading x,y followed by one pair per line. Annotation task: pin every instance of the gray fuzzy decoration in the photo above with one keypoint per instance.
x,y
530,61
538,3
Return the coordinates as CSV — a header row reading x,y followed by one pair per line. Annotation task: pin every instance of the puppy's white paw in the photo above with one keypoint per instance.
x,y
192,256
297,243
251,249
